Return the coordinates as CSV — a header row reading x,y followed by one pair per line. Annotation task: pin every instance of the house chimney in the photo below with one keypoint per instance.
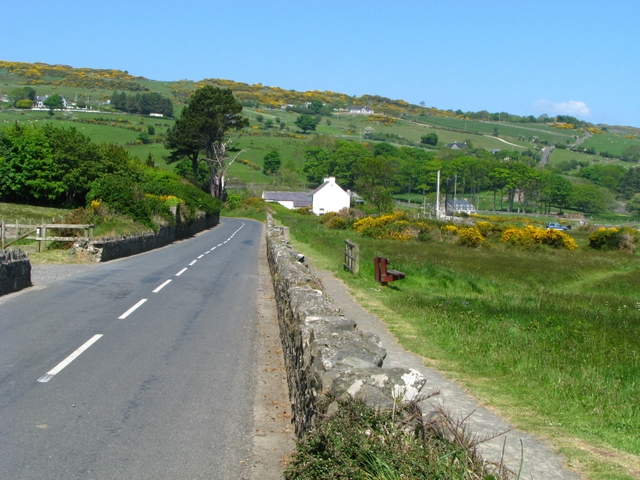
x,y
331,180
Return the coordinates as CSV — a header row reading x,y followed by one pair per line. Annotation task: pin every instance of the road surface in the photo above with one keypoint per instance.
x,y
141,368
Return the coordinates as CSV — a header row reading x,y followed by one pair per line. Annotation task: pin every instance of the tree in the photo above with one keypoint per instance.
x,y
306,123
17,94
28,169
608,176
590,198
373,180
271,162
210,114
429,139
630,183
315,106
54,102
316,165
633,205
184,145
631,154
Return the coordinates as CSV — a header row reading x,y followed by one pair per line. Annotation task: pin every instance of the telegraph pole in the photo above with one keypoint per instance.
x,y
438,198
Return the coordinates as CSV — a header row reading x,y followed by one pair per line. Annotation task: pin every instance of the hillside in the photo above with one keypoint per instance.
x,y
606,153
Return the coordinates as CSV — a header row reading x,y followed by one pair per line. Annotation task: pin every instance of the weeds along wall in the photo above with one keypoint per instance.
x,y
15,271
105,249
327,358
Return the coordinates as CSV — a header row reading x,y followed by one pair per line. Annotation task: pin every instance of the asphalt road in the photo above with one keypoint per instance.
x,y
138,369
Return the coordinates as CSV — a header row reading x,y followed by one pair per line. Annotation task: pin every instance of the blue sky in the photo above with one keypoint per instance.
x,y
524,57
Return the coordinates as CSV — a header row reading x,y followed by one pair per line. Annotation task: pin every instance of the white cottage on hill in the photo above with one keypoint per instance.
x,y
329,197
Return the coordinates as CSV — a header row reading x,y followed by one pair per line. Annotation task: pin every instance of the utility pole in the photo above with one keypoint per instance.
x,y
438,198
455,187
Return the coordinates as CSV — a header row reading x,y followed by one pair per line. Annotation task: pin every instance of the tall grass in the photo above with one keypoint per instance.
x,y
551,337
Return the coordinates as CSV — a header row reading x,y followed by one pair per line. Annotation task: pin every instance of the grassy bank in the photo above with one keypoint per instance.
x,y
548,337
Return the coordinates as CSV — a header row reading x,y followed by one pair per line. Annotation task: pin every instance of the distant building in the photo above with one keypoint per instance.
x,y
460,206
355,198
457,145
290,200
39,103
358,110
329,197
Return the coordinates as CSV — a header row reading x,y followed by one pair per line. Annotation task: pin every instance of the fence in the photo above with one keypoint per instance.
x,y
20,232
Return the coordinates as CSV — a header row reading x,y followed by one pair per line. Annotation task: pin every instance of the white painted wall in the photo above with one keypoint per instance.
x,y
330,198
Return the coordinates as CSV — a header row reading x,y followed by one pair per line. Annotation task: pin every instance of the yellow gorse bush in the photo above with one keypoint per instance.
x,y
393,226
449,229
538,236
470,237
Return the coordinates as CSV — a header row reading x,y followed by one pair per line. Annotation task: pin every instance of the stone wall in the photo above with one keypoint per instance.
x,y
15,271
105,249
327,358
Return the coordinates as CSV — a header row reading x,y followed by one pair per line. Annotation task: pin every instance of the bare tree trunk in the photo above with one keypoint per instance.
x,y
218,167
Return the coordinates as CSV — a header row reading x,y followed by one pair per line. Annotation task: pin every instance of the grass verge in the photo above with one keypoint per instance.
x,y
547,337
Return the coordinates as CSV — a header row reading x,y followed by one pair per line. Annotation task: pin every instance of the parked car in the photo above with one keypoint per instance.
x,y
557,226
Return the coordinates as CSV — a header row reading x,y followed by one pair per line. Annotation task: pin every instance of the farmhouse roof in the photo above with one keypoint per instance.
x,y
457,145
299,199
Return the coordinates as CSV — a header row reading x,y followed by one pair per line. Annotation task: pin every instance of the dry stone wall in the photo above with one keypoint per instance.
x,y
105,249
15,271
327,358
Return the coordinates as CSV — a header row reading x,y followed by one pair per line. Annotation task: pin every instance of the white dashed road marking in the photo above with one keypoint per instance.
x,y
162,286
49,375
132,309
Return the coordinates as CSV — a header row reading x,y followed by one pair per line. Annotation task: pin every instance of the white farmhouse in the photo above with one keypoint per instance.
x,y
359,110
329,197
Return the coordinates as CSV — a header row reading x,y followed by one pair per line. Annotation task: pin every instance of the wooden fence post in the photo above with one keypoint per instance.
x,y
352,257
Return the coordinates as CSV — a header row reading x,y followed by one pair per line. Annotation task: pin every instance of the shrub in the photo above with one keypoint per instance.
x,y
383,226
449,230
337,223
488,228
233,201
529,236
614,239
121,196
359,442
25,103
470,237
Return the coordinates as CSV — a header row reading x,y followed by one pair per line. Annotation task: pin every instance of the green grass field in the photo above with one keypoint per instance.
x,y
29,214
510,130
614,144
546,337
565,155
